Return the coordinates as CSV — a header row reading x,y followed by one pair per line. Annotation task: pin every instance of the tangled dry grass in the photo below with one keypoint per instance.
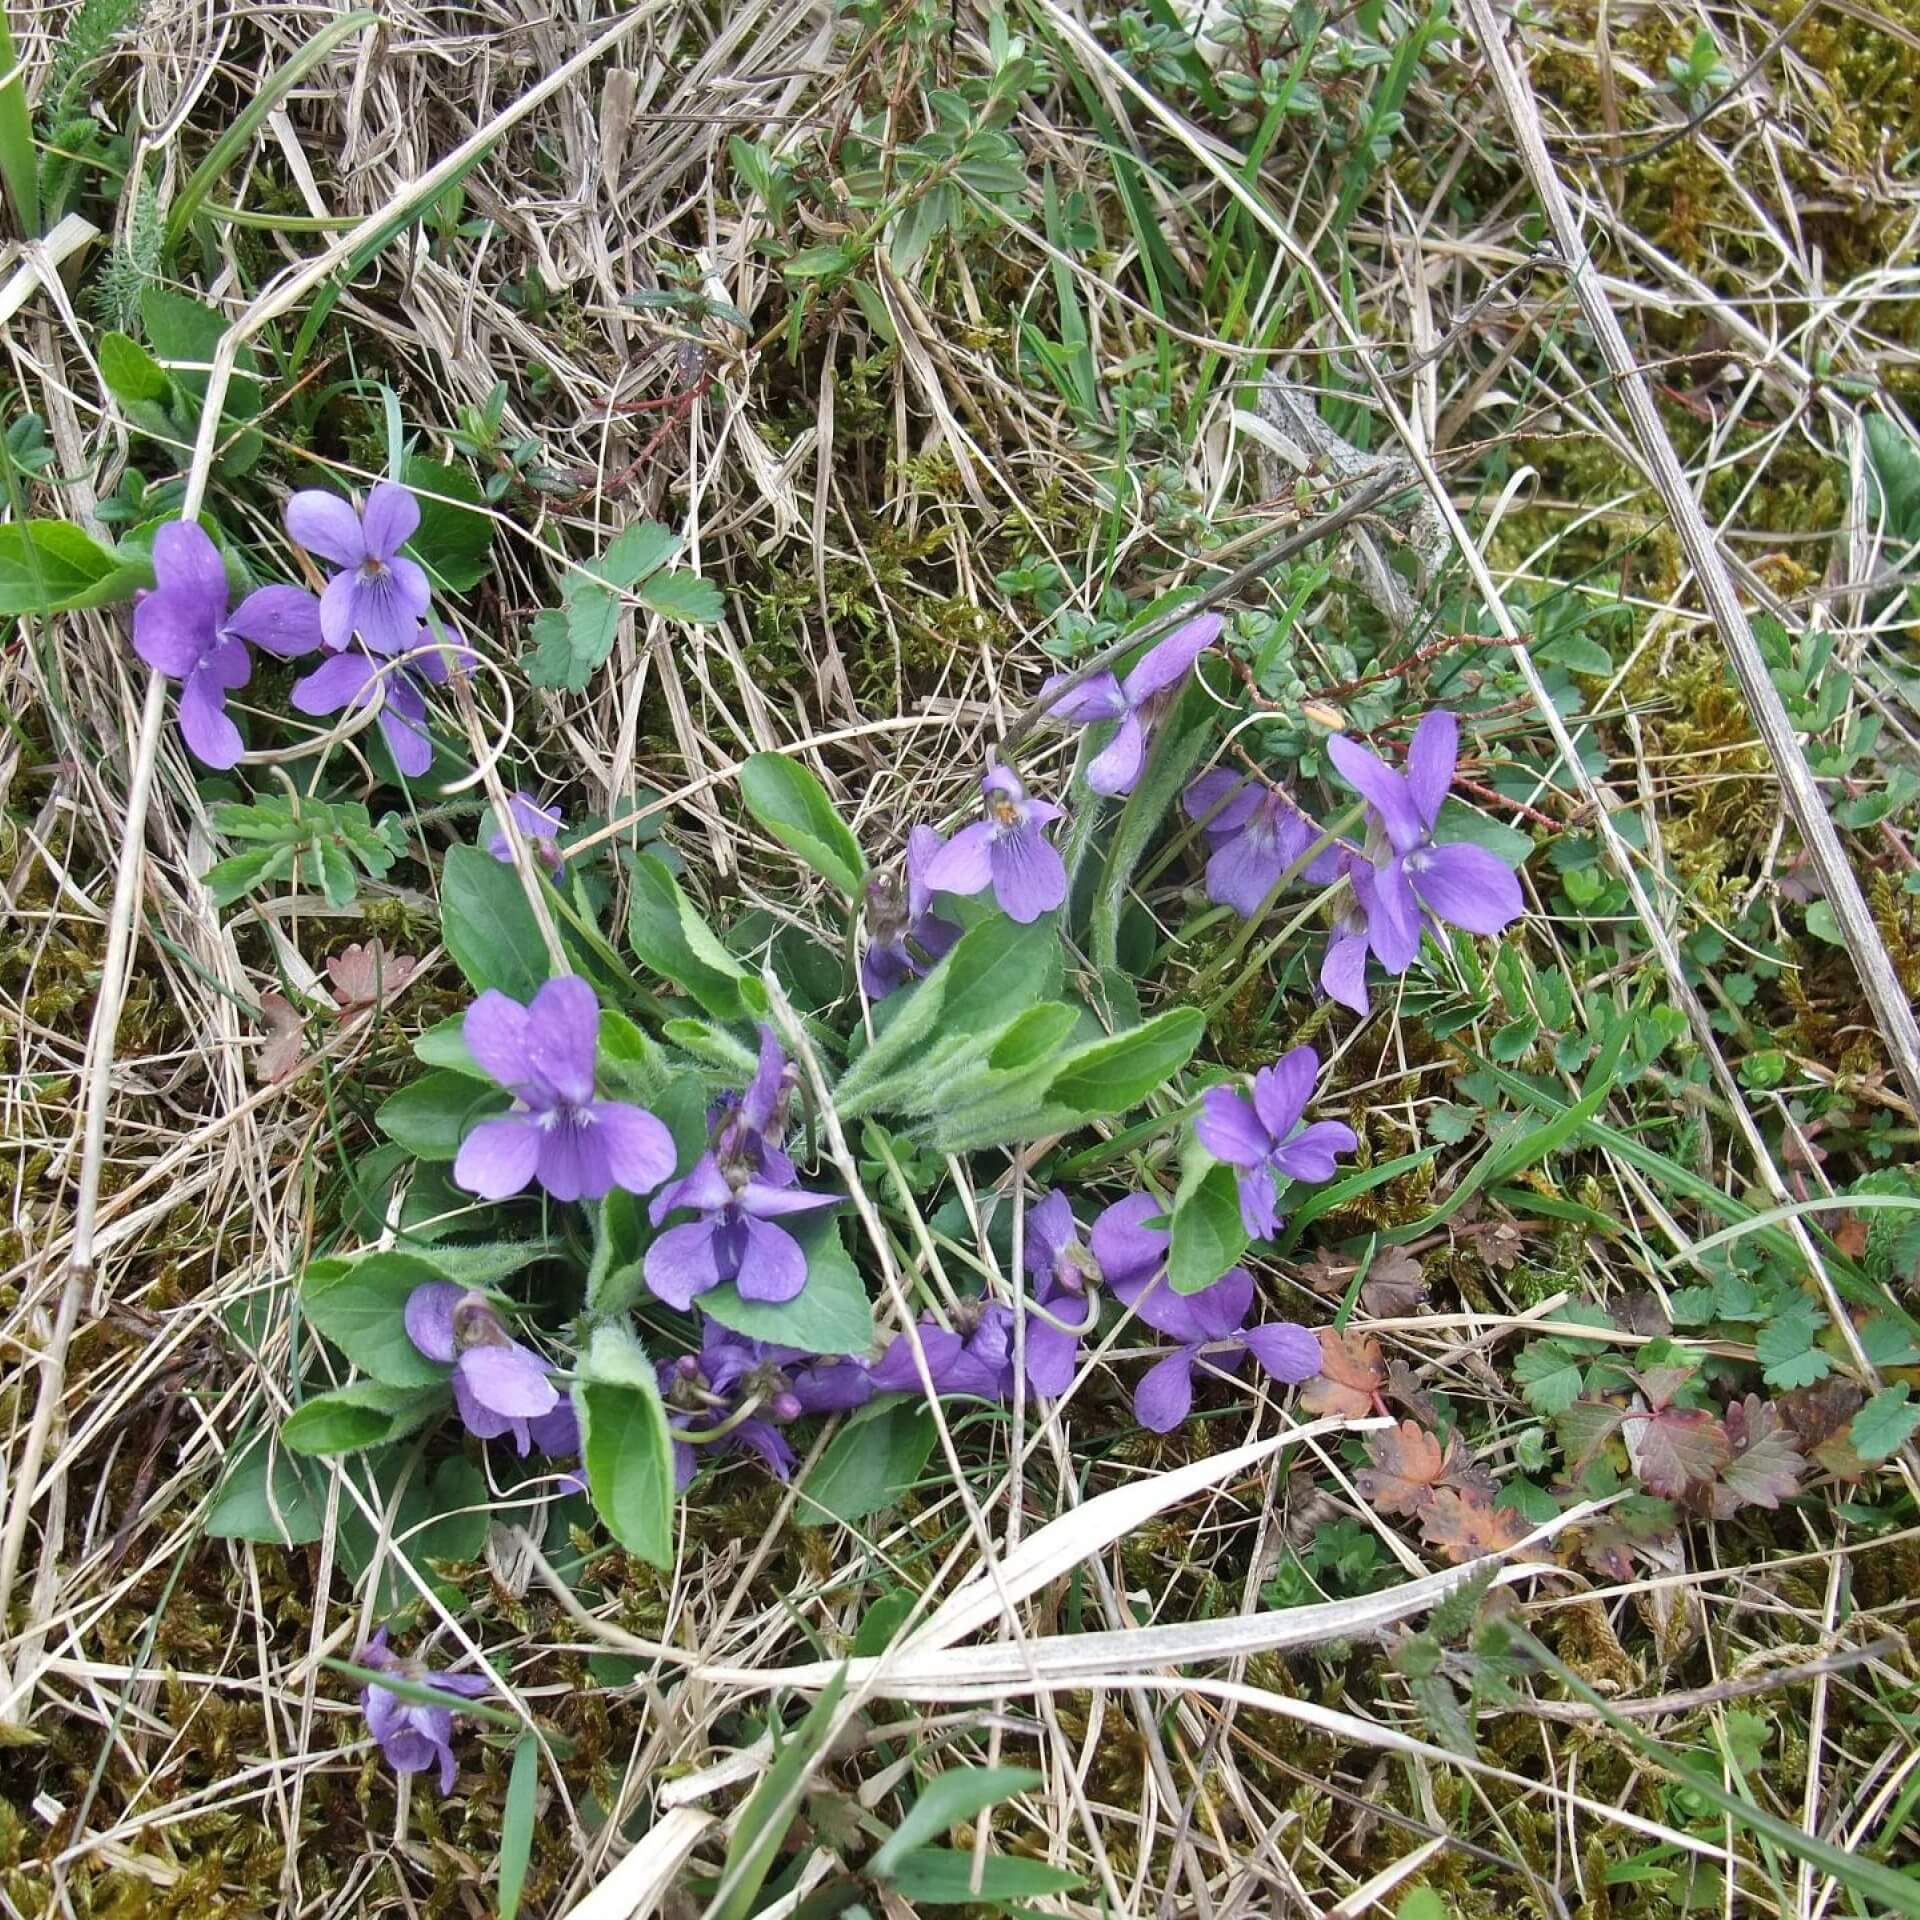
x,y
875,483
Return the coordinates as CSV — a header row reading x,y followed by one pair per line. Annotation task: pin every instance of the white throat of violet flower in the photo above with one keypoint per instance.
x,y
475,1324
1075,1268
886,907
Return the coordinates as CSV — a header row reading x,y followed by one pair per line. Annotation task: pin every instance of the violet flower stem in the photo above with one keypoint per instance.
x,y
1362,501
1226,995
1180,842
705,1436
921,1232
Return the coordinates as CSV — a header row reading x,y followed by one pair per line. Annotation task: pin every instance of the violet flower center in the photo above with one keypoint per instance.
x,y
1003,811
886,910
564,1117
1075,1268
475,1324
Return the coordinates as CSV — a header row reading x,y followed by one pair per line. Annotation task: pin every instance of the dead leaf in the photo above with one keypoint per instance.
x,y
1351,1375
1403,1387
1609,1552
1631,1534
1502,1246
1641,1312
1674,1448
1395,1285
1326,1273
365,976
1463,1526
1850,1236
286,1039
1820,1417
1408,1462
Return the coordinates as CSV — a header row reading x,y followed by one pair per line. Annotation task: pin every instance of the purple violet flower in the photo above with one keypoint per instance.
x,y
711,1392
974,1357
750,1126
351,678
539,826
1210,1328
1464,885
905,936
1343,967
1256,833
1138,702
1263,1136
415,1738
576,1145
739,1188
1008,851
379,594
182,629
499,1386
1066,1278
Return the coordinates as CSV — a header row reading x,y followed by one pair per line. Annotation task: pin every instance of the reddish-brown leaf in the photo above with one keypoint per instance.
x,y
1408,1462
1464,1526
1502,1245
1766,1464
1613,1546
363,976
1820,1417
1817,1413
1351,1373
1850,1236
1674,1448
1660,1384
286,1039
1327,1273
1405,1390
1394,1285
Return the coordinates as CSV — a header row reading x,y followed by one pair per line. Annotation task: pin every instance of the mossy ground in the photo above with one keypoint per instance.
x,y
972,498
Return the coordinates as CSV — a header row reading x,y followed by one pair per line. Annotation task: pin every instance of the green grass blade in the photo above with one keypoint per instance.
x,y
1865,1879
235,140
516,1824
19,172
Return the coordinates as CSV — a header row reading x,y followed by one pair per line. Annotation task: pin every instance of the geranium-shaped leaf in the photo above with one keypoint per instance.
x,y
1408,1463
1583,1429
1820,1417
1674,1448
364,975
1766,1464
1466,1525
1351,1374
